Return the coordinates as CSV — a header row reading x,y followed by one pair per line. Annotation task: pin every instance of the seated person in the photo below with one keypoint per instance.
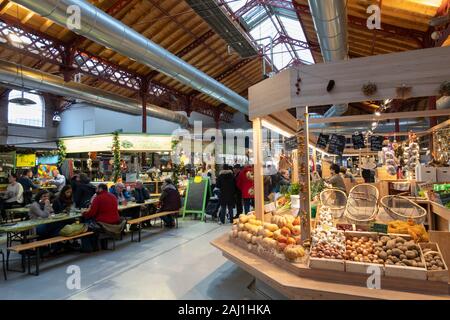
x,y
120,193
58,180
346,173
28,185
83,191
42,208
170,200
140,192
13,196
63,203
104,207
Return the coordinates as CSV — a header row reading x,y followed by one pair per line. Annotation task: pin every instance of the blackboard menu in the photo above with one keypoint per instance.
x,y
376,143
196,195
336,145
358,141
322,141
290,144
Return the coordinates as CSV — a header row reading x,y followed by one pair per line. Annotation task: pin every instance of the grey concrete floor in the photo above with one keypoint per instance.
x,y
167,264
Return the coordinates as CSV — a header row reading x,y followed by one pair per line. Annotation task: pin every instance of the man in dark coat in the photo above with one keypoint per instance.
x,y
226,184
237,192
83,192
169,200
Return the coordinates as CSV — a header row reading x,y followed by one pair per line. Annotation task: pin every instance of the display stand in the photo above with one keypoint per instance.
x,y
302,88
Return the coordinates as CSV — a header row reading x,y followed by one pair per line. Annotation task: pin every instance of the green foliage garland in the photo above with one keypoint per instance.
x,y
116,154
62,152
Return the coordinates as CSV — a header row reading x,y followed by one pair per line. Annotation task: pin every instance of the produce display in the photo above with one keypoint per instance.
x,y
280,236
327,241
364,249
416,231
395,250
433,260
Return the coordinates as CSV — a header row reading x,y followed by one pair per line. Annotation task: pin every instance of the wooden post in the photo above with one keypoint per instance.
x,y
258,169
303,176
294,166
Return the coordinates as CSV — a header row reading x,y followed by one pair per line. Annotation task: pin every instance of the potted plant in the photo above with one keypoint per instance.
x,y
294,191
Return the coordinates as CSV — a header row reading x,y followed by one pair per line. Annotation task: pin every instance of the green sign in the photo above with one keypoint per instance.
x,y
379,227
197,191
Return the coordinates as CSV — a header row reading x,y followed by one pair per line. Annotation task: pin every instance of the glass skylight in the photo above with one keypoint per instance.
x,y
265,22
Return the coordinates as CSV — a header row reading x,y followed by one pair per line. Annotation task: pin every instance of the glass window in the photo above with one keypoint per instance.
x,y
28,115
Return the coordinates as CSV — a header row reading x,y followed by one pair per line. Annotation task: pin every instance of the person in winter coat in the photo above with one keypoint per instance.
x,y
104,207
64,202
83,192
237,191
225,182
28,186
169,200
246,185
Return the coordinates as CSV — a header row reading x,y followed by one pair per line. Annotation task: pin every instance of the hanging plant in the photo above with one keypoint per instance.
x,y
176,167
369,89
62,152
444,89
116,156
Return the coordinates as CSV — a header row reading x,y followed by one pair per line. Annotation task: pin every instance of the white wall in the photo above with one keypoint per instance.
x,y
84,119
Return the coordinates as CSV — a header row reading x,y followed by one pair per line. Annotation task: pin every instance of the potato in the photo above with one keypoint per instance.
x,y
390,244
396,252
410,254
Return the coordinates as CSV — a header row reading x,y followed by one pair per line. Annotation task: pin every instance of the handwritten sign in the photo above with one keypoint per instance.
x,y
25,160
358,141
337,144
376,143
322,141
379,227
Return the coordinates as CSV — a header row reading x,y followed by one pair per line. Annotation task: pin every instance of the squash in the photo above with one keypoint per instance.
x,y
282,239
296,221
296,230
277,234
248,237
293,252
241,227
285,231
281,246
243,218
291,240
267,234
271,227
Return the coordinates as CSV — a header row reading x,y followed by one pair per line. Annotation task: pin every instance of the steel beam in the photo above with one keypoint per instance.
x,y
72,60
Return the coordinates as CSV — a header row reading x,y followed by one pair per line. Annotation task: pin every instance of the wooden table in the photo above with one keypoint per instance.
x,y
294,286
135,204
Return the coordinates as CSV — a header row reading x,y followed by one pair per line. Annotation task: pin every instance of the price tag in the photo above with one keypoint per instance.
x,y
379,227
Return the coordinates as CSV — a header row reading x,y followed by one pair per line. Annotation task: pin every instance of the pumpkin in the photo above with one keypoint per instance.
x,y
296,230
282,239
285,231
291,240
296,221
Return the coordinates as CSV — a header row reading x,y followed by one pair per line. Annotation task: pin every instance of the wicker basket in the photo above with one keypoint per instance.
x,y
335,199
362,204
401,208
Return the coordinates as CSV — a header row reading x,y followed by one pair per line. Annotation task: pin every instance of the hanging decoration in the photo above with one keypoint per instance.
x,y
116,156
369,89
411,156
62,152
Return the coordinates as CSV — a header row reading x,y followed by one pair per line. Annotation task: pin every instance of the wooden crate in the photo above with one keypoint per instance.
x,y
435,275
327,264
405,272
361,267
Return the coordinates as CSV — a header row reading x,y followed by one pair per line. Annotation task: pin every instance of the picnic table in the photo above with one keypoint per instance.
x,y
13,212
135,204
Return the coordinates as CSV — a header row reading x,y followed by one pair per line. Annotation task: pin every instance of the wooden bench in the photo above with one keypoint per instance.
x,y
140,220
36,245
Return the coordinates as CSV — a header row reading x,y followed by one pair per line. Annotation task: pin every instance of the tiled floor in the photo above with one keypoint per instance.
x,y
167,264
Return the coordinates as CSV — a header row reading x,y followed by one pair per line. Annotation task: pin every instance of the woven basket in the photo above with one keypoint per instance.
x,y
401,208
362,204
335,199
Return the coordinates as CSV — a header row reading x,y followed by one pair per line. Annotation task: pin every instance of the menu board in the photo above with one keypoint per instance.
x,y
376,143
336,145
322,141
25,160
197,191
358,141
290,144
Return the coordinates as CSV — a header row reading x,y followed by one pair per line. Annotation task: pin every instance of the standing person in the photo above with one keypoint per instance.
x,y
226,184
212,176
237,191
83,192
58,180
245,184
336,179
27,185
64,202
75,181
169,200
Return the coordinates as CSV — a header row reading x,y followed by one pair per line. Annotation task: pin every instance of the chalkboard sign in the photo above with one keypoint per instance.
x,y
379,227
358,141
290,144
322,141
376,143
197,190
336,145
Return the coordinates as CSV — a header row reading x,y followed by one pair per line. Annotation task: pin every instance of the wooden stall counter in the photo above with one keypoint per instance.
x,y
293,286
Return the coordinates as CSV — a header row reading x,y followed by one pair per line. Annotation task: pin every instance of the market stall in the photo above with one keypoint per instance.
x,y
363,243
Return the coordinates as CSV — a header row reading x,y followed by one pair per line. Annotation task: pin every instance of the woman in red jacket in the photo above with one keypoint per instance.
x,y
245,184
